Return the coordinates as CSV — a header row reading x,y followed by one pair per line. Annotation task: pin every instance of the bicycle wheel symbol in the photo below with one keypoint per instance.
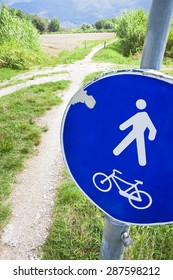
x,y
102,182
144,203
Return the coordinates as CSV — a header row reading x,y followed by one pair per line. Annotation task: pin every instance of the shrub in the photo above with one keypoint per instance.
x,y
99,24
86,27
40,23
15,56
54,25
131,28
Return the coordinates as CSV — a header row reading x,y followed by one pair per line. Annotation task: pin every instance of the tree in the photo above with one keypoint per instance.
x,y
131,28
109,24
86,26
40,23
54,25
99,24
18,13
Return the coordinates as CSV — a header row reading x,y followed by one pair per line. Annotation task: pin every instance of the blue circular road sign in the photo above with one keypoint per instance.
x,y
117,141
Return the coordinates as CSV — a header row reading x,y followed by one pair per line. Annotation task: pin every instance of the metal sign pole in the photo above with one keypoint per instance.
x,y
157,34
115,239
116,234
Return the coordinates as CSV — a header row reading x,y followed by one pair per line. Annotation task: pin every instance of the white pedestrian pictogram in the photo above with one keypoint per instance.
x,y
139,122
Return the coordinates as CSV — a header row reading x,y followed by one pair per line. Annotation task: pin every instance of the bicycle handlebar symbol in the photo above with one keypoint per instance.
x,y
137,198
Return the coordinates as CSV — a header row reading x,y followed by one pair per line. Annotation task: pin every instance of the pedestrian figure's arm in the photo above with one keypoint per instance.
x,y
152,132
127,123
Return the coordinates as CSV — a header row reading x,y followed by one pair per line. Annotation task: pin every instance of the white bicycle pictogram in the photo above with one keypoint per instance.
x,y
137,198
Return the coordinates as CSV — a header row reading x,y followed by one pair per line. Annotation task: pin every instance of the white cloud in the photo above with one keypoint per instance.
x,y
43,13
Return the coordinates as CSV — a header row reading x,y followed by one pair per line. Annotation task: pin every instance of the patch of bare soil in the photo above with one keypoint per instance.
x,y
53,43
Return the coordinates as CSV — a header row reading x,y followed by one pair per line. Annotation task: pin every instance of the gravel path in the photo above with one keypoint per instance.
x,y
33,194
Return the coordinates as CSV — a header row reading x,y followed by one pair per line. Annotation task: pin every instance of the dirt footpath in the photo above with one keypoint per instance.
x,y
33,194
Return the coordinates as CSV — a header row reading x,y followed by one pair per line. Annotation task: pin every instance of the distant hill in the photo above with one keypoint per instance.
x,y
76,12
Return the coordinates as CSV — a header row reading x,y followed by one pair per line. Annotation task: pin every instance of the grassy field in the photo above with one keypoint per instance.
x,y
63,57
110,54
19,133
8,73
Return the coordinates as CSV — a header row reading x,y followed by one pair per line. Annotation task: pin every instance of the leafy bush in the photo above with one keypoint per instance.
x,y
86,27
54,25
19,41
108,24
131,28
169,46
40,23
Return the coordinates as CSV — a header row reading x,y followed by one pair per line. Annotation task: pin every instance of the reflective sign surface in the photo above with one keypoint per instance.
x,y
117,140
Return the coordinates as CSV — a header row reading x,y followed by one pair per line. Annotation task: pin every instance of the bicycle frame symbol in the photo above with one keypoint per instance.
x,y
135,196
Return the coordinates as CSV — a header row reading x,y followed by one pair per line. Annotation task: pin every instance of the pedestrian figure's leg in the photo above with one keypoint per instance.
x,y
124,144
141,150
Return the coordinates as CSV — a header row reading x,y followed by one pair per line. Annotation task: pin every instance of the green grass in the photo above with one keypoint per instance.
x,y
8,73
19,42
19,133
151,243
77,228
168,72
91,77
112,54
17,81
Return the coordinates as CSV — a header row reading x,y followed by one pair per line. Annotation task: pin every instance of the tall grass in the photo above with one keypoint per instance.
x,y
19,42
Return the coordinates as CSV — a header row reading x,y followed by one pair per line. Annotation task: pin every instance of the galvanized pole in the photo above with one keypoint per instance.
x,y
157,34
116,234
115,239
